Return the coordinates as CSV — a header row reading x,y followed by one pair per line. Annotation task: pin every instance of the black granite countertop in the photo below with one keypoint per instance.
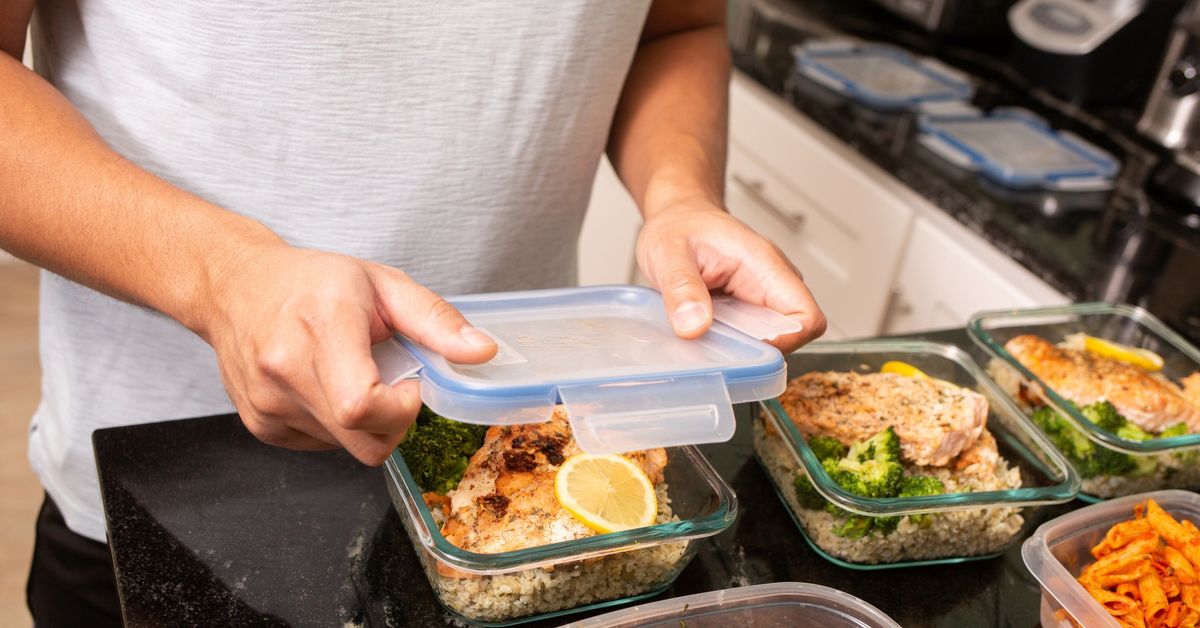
x,y
1122,245
210,527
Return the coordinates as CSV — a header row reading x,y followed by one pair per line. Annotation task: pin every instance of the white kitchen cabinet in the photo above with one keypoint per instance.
x,y
609,232
949,273
823,204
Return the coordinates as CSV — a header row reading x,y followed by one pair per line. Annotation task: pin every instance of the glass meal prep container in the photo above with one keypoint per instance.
x,y
588,573
1155,463
779,604
985,507
1060,549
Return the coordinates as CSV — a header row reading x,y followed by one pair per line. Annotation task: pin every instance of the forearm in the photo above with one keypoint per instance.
x,y
668,142
73,206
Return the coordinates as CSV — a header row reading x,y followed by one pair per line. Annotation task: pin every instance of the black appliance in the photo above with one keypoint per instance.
x,y
1091,51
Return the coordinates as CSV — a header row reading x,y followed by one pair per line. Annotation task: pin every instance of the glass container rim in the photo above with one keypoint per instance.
x,y
977,330
1061,492
709,524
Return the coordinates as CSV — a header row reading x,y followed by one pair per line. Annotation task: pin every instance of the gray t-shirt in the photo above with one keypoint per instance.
x,y
456,141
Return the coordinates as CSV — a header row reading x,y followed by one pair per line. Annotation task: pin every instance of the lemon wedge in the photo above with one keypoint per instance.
x,y
902,368
606,492
1142,358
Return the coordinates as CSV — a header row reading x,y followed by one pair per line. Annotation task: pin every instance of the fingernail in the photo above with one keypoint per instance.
x,y
474,337
689,316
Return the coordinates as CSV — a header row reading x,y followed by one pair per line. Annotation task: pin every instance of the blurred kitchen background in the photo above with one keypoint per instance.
x,y
919,161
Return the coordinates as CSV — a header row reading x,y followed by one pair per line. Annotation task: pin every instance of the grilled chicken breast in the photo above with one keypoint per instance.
x,y
506,499
1152,403
934,419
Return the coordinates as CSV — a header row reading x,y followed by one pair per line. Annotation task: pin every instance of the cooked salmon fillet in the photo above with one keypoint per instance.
x,y
1191,388
934,419
506,500
1150,402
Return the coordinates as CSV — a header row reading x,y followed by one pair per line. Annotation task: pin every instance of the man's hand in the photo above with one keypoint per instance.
x,y
692,248
293,331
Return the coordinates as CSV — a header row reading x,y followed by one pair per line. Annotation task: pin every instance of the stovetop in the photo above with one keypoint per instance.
x,y
1121,245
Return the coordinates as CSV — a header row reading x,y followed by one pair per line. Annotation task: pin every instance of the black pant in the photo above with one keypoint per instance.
x,y
71,581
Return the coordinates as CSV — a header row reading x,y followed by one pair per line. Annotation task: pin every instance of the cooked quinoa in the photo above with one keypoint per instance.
x,y
950,534
542,590
1173,470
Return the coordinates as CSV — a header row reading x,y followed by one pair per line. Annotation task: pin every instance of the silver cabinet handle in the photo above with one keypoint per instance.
x,y
754,189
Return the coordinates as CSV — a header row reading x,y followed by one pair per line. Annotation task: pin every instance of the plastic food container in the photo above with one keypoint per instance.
x,y
1060,549
879,76
609,356
971,524
1017,149
1176,467
775,605
559,578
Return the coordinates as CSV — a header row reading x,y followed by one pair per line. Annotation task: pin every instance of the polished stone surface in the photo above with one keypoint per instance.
x,y
210,527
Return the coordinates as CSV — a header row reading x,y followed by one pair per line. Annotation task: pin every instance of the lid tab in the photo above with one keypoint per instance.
x,y
753,320
628,416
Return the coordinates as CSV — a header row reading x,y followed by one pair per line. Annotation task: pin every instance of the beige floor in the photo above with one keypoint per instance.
x,y
20,493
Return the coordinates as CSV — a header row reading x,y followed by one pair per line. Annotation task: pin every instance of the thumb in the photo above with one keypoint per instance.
x,y
428,319
685,295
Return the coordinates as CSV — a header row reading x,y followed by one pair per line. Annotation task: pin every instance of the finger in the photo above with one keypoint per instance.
x,y
353,397
371,448
685,295
784,290
428,319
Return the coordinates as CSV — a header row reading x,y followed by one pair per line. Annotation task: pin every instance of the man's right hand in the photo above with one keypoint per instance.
x,y
293,330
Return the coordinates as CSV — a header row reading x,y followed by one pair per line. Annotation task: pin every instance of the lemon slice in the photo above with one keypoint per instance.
x,y
1142,358
607,493
902,368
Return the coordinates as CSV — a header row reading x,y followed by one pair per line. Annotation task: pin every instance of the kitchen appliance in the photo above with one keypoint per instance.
x,y
1091,51
952,17
1172,114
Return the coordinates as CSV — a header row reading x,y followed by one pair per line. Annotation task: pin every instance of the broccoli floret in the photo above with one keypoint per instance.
x,y
1107,462
854,527
917,486
885,525
921,485
1089,459
872,468
1104,415
1129,431
807,494
824,447
1180,429
883,446
437,449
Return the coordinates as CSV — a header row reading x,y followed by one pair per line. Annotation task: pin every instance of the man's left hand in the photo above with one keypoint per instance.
x,y
694,248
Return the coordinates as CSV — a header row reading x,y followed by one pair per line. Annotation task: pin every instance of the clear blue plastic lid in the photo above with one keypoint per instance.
x,y
610,357
1017,149
879,76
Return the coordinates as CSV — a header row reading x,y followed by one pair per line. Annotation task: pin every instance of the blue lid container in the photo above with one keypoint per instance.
x,y
610,357
1017,149
879,76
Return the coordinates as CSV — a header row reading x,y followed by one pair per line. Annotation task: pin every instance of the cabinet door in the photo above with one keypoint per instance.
x,y
823,205
609,232
751,209
947,275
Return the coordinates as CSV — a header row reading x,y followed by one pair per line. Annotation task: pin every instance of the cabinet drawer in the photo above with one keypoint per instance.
x,y
848,265
806,158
